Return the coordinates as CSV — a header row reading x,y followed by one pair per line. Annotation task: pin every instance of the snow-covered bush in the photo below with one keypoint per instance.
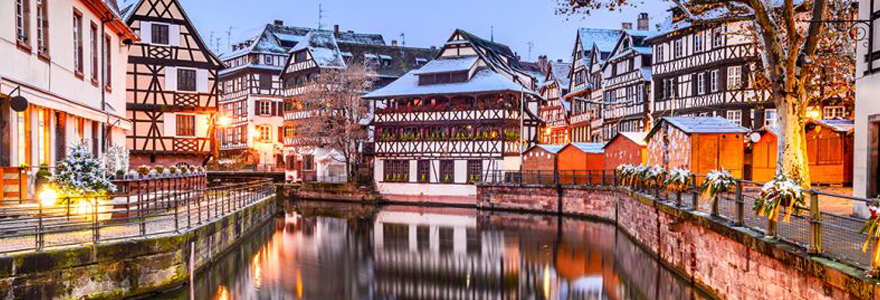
x,y
717,182
81,175
778,193
626,173
651,175
678,180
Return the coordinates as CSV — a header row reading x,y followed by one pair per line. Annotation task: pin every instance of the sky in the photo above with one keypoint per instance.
x,y
516,23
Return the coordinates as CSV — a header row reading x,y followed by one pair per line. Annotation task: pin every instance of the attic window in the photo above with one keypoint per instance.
x,y
441,78
421,61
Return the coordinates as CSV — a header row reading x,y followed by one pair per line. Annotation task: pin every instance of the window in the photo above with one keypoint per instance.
x,y
698,42
159,34
677,50
77,43
265,81
701,83
108,61
424,171
186,125
308,162
42,27
660,52
833,112
717,37
300,56
396,170
474,170
265,107
423,238
770,117
267,59
713,81
93,42
734,77
265,133
735,116
447,171
22,21
186,80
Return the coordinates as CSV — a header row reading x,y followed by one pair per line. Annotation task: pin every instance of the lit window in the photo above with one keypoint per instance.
x,y
833,112
186,125
265,133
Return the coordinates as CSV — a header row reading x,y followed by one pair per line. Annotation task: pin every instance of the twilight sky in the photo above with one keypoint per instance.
x,y
425,23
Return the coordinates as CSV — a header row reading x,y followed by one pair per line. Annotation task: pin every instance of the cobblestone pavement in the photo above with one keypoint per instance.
x,y
115,224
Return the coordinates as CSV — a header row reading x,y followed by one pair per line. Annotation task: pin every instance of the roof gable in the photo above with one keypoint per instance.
x,y
691,125
593,148
168,9
639,138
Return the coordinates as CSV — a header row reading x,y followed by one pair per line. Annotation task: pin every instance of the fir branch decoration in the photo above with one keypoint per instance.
x,y
717,182
778,193
651,175
626,174
871,228
678,180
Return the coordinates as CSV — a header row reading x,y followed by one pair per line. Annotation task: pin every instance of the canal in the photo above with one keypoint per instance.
x,y
322,250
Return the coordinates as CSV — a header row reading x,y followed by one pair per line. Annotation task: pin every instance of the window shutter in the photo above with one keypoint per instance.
x,y
273,107
170,79
201,126
174,35
745,76
660,90
707,81
694,85
146,32
202,81
170,125
281,134
722,80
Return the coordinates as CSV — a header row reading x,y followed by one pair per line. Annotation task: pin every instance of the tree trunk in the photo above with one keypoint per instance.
x,y
792,143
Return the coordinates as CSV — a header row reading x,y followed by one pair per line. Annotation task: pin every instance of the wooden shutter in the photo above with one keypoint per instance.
x,y
174,35
170,79
146,32
722,80
694,84
707,82
201,126
202,81
273,108
170,125
745,75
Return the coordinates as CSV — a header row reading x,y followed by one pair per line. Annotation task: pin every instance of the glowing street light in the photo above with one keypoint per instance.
x,y
48,197
224,121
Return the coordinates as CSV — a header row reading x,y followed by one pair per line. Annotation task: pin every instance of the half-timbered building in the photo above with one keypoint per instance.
x,y
171,87
591,48
253,93
62,79
704,71
626,85
464,115
555,110
321,51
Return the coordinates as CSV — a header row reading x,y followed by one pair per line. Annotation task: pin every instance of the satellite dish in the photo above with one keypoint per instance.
x,y
755,137
18,103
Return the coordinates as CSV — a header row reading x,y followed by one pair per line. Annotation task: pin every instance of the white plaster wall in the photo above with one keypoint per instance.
x,y
867,91
435,189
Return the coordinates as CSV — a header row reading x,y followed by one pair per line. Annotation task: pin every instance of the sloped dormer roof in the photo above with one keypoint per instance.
x,y
323,48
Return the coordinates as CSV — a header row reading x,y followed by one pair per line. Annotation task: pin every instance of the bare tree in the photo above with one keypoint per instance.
x,y
338,114
789,35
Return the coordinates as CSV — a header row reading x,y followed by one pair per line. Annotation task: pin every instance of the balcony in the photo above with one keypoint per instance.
x,y
401,116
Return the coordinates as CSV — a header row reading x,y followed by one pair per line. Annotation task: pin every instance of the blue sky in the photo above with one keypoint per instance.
x,y
424,23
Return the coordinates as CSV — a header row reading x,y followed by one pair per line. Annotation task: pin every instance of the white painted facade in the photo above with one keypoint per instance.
x,y
867,116
61,96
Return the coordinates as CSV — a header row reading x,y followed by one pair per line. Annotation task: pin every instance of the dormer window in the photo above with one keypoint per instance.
x,y
441,78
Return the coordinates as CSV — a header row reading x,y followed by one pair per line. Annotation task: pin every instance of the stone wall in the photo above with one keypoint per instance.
x,y
727,262
126,268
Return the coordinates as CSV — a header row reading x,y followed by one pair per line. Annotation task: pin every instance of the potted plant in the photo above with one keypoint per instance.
x,y
43,176
446,179
173,170
159,169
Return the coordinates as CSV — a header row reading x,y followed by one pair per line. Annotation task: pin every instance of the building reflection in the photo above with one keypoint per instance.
x,y
419,253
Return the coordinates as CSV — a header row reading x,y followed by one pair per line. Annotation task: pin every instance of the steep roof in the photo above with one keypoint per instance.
x,y
131,6
604,39
444,65
279,39
640,138
324,49
588,147
560,72
691,125
844,126
484,80
403,59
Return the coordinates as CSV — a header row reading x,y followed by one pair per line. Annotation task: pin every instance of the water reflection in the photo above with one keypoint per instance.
x,y
333,251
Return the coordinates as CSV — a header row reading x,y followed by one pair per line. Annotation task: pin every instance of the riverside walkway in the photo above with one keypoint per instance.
x,y
140,209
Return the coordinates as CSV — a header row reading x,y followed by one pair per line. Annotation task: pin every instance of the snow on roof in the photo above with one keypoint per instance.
x,y
443,65
646,73
699,125
289,37
385,57
640,138
278,39
605,39
837,125
549,148
589,147
561,72
324,50
484,80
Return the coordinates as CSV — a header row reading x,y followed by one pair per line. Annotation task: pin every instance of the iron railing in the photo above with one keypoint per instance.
x,y
826,227
134,211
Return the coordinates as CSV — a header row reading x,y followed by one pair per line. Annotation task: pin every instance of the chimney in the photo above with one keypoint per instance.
x,y
559,60
626,25
393,43
279,22
336,30
643,21
433,48
543,63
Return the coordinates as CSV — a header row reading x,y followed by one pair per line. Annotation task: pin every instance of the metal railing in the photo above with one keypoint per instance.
x,y
825,227
133,211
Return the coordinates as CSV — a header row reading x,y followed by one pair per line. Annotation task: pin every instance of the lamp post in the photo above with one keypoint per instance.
x,y
218,123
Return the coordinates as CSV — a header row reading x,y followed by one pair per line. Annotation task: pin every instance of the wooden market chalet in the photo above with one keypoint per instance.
x,y
463,115
320,51
172,86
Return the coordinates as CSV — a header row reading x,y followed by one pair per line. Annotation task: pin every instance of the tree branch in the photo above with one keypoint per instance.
x,y
812,41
